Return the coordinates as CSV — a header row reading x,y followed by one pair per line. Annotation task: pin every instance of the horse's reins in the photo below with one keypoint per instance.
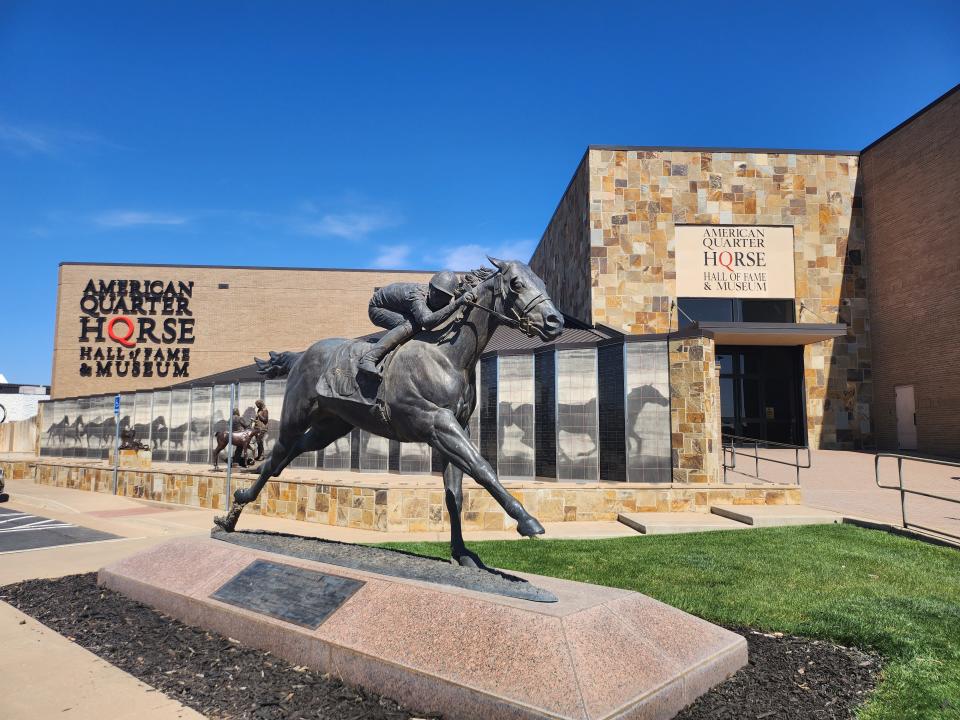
x,y
520,319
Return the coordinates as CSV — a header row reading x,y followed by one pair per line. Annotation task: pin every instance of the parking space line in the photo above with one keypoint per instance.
x,y
34,529
66,545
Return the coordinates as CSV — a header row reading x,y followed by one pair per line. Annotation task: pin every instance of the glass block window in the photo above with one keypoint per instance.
x,y
221,410
84,418
143,417
273,398
374,452
648,412
415,458
515,444
487,409
612,413
107,429
201,400
178,437
247,395
125,418
336,456
577,451
52,417
474,424
160,427
545,413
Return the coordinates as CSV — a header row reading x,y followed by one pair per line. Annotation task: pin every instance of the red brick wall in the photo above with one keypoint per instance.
x,y
911,196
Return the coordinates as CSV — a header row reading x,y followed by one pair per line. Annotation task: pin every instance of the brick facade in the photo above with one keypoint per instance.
x,y
258,310
912,215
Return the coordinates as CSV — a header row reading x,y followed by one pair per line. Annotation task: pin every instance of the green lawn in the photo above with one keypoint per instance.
x,y
836,582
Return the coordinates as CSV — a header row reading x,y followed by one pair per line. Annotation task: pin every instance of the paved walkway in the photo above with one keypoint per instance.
x,y
45,675
843,481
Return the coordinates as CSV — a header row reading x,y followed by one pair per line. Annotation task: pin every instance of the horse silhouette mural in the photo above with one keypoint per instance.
x,y
426,394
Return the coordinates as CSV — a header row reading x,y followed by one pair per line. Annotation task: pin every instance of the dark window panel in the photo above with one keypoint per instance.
x,y
612,421
545,414
488,410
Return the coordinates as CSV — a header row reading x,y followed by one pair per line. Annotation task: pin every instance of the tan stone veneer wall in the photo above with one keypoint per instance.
x,y
637,196
362,504
262,309
695,411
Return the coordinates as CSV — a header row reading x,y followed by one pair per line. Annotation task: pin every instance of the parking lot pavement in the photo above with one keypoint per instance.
x,y
21,531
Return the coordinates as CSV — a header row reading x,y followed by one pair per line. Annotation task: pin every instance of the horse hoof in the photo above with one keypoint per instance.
x,y
225,523
470,560
529,526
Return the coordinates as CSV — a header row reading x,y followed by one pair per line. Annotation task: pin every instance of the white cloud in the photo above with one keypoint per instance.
x,y
350,225
21,141
467,257
392,256
133,218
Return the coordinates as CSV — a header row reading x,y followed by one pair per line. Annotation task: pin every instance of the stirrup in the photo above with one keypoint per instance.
x,y
368,366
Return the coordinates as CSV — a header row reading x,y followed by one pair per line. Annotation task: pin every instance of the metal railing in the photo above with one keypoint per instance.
x,y
731,442
906,491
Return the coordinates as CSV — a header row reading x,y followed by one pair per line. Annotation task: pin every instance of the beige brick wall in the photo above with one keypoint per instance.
x,y
695,438
637,196
262,310
912,216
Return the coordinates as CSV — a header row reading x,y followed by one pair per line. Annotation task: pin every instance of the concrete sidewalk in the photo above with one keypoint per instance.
x,y
143,523
843,481
45,675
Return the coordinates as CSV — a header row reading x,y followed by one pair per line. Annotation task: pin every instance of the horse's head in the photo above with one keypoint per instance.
x,y
525,297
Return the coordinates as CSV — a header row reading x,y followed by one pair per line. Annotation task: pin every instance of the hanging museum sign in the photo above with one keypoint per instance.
x,y
136,328
734,261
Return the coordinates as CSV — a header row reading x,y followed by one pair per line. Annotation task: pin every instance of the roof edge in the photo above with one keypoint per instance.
x,y
244,267
682,148
913,117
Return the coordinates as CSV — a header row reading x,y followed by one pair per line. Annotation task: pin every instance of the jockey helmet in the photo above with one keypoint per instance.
x,y
445,282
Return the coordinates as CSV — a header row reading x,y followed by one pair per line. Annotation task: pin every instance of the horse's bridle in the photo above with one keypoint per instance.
x,y
520,319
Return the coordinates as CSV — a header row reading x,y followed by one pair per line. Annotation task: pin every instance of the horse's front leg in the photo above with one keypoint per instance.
x,y
451,440
453,491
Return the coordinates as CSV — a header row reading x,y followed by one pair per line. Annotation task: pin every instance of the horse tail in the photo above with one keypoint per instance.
x,y
278,365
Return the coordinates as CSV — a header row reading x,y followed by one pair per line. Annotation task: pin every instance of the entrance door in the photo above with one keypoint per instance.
x,y
761,393
906,418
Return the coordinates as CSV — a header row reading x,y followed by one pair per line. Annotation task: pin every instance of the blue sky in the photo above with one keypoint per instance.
x,y
408,135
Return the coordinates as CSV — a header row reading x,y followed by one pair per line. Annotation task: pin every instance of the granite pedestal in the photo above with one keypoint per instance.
x,y
595,653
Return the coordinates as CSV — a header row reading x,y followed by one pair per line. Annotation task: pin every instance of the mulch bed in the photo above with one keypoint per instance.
x,y
787,677
791,678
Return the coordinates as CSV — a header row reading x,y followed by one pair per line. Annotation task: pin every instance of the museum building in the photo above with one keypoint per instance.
x,y
712,296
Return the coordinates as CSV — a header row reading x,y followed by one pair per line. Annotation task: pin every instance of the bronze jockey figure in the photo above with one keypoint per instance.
x,y
406,308
238,423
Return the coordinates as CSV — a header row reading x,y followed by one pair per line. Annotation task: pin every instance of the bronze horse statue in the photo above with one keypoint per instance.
x,y
242,439
427,393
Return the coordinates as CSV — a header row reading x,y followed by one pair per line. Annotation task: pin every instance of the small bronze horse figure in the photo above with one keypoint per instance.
x,y
427,393
242,439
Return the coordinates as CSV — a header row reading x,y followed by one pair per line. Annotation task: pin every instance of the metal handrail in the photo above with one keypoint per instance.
x,y
732,447
905,491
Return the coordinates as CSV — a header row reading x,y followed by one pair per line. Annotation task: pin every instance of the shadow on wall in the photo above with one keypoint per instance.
x,y
847,405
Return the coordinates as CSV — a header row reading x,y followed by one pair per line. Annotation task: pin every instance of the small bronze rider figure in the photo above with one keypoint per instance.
x,y
406,308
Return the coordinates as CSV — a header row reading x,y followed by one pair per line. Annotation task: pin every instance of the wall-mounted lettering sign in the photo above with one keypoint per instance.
x,y
734,261
136,328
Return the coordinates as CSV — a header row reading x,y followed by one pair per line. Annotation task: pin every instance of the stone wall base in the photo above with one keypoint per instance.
x,y
369,504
